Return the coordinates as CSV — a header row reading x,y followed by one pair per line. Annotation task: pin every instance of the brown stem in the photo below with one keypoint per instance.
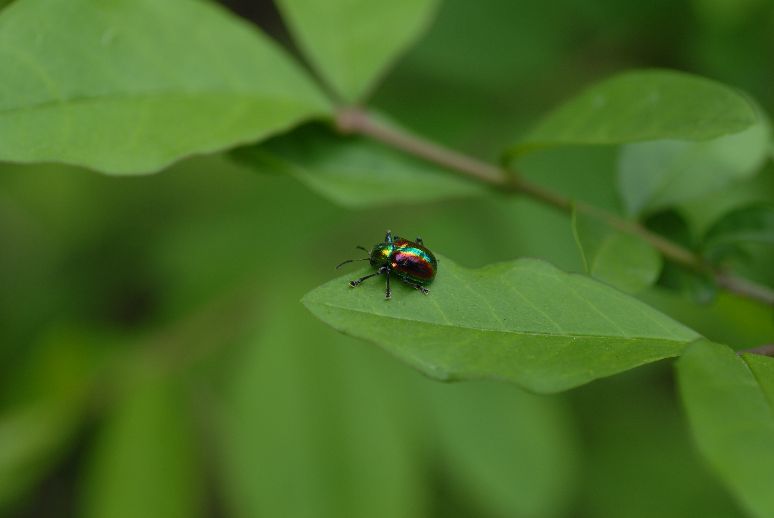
x,y
763,350
358,121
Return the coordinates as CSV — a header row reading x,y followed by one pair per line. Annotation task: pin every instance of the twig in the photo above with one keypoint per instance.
x,y
358,121
763,350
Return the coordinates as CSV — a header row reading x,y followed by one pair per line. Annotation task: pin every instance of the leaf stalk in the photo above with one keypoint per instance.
x,y
355,120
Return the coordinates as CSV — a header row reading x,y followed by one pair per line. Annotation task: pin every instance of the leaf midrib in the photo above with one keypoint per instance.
x,y
508,331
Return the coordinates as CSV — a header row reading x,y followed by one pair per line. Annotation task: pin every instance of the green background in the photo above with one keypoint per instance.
x,y
155,359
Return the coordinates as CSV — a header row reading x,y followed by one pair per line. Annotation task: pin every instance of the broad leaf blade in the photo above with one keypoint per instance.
x,y
732,421
643,105
128,86
664,173
354,171
352,42
621,260
522,321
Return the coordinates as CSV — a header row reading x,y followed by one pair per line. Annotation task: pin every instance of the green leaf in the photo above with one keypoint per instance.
x,y
31,440
753,224
732,421
634,439
702,213
315,428
129,86
510,452
146,460
46,397
621,260
664,173
352,42
522,321
643,105
354,171
762,368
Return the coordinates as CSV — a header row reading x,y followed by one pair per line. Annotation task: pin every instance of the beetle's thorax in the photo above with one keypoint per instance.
x,y
380,254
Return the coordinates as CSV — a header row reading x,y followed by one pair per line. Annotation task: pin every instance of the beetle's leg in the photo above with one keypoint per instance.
x,y
419,241
418,287
388,237
388,293
380,271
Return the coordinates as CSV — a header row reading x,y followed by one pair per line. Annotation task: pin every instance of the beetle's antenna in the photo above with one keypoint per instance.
x,y
352,261
363,249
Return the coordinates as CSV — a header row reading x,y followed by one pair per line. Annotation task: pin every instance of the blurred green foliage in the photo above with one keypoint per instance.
x,y
155,359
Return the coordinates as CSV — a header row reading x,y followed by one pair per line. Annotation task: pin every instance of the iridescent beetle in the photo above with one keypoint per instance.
x,y
409,261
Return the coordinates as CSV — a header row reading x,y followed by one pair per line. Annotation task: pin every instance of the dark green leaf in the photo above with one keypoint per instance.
x,y
732,421
523,321
621,260
643,105
128,86
664,173
31,439
354,171
753,224
512,453
352,42
46,397
634,439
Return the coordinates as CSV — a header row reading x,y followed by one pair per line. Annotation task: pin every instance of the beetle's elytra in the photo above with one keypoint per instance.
x,y
409,261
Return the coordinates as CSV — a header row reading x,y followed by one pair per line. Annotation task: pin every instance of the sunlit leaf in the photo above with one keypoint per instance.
x,y
621,260
352,42
522,321
128,86
732,418
354,171
643,105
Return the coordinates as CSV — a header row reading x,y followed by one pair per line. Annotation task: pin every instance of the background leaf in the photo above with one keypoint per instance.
x,y
664,173
144,83
753,224
643,105
44,401
312,427
522,321
146,461
621,260
352,42
354,171
629,450
511,452
732,421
